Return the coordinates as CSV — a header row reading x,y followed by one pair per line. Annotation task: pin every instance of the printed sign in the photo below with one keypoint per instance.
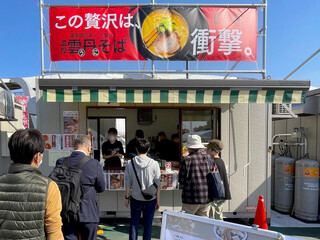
x,y
52,141
71,122
153,32
68,141
55,155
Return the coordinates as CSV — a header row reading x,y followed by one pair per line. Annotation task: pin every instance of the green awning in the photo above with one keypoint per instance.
x,y
174,96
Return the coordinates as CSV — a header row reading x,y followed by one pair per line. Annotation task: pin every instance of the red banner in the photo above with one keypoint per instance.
x,y
151,32
24,102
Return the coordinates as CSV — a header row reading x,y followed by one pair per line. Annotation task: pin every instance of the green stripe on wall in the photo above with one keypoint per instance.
x,y
199,96
59,95
216,98
44,95
287,96
234,94
130,96
303,96
76,95
253,95
147,96
113,96
183,96
94,96
270,96
164,96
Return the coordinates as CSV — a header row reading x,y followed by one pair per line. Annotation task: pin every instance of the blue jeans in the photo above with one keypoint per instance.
x,y
147,208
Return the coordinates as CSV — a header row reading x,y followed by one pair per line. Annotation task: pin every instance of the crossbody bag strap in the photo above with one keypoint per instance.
x,y
135,172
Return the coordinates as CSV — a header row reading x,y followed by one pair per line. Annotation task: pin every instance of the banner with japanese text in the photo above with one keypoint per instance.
x,y
153,33
23,100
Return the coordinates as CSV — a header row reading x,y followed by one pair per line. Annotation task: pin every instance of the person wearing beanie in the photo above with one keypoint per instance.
x,y
214,148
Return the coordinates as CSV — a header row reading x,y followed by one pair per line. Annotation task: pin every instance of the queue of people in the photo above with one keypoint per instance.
x,y
72,213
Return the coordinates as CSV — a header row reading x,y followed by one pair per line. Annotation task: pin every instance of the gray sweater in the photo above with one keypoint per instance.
x,y
148,172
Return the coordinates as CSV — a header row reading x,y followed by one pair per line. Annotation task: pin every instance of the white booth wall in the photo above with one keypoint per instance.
x,y
245,131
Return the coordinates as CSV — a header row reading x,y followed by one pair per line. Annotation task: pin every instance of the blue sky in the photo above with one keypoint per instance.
x,y
293,35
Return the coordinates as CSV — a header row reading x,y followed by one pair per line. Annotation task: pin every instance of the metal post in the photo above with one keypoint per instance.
x,y
234,65
187,68
41,37
48,45
152,69
264,60
304,62
152,62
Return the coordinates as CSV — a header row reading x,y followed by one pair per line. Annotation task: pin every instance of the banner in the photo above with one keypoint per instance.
x,y
153,33
25,117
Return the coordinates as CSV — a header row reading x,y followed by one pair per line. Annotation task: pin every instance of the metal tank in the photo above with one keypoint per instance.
x,y
273,166
306,190
284,184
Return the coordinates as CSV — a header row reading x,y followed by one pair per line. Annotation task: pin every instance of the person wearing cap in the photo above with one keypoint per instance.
x,y
214,148
193,173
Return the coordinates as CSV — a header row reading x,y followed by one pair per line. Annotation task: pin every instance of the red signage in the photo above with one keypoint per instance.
x,y
153,32
24,102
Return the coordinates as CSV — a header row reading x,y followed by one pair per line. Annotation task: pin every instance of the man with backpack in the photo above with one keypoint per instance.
x,y
80,213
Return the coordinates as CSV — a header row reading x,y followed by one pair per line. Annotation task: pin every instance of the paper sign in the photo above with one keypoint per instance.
x,y
71,122
55,155
52,141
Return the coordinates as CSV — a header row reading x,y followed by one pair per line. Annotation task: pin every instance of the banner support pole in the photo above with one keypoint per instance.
x,y
264,60
41,37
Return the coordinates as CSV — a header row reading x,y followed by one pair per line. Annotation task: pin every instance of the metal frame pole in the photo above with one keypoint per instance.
x,y
264,60
303,63
234,65
187,69
152,61
41,36
158,71
262,5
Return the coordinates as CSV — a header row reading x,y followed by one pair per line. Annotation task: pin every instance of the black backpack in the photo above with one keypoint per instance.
x,y
67,178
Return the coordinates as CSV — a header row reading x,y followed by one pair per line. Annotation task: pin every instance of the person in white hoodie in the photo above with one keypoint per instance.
x,y
148,173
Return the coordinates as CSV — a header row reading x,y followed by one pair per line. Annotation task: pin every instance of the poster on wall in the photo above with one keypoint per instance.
x,y
68,141
52,141
153,33
55,155
71,122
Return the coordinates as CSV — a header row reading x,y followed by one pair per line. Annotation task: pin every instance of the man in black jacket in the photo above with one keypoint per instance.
x,y
213,149
92,182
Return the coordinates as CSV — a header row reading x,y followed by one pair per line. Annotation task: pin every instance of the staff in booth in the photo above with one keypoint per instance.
x,y
112,150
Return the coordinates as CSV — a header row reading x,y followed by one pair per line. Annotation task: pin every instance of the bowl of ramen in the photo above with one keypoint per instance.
x,y
164,32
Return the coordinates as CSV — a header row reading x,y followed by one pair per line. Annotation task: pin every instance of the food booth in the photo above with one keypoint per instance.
x,y
235,110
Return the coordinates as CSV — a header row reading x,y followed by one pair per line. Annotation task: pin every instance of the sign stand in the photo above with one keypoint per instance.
x,y
182,226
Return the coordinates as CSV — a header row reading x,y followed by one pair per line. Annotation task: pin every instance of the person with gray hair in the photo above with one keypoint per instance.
x,y
92,181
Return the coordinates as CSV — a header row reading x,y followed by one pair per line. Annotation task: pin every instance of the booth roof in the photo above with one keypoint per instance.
x,y
174,90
